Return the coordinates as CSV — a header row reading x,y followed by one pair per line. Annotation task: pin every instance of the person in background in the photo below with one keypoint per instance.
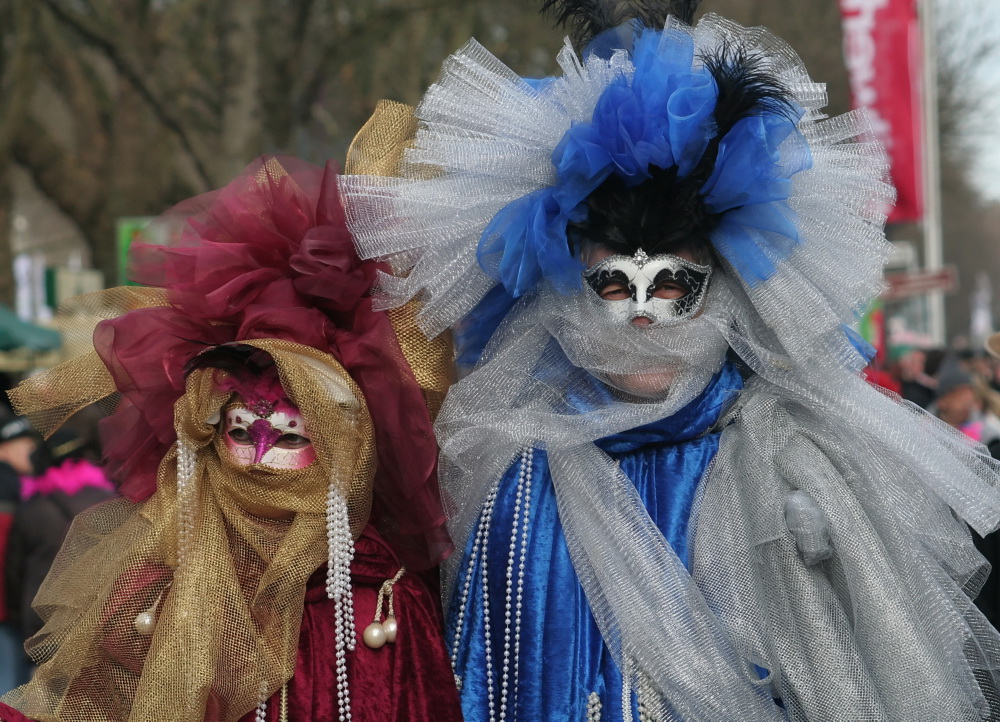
x,y
983,370
989,546
64,484
916,384
18,441
960,404
984,366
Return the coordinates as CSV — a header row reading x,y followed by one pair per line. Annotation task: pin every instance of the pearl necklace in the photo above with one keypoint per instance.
x,y
340,552
475,553
594,707
261,714
514,589
186,492
488,646
626,689
645,697
513,601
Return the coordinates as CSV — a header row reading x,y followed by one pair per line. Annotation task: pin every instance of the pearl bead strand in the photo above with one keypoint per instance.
x,y
514,641
645,697
477,548
186,488
527,464
626,690
261,714
340,552
594,707
487,633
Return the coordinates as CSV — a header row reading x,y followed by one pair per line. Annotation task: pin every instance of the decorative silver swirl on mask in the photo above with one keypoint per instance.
x,y
642,275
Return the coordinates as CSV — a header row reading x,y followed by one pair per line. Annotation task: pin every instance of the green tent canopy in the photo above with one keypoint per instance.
x,y
16,333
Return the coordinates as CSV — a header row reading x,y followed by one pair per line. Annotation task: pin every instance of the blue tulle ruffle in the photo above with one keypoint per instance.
x,y
659,116
750,185
475,330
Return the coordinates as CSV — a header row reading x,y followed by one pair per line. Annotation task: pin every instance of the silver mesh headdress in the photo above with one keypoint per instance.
x,y
885,626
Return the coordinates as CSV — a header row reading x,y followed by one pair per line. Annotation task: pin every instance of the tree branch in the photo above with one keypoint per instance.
x,y
67,183
132,76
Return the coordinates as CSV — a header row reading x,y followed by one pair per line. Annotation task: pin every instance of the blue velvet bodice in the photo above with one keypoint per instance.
x,y
556,659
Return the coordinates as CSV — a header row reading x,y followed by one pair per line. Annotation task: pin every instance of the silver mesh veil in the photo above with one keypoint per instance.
x,y
884,628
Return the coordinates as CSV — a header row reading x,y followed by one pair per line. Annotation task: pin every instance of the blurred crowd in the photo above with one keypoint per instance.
x,y
959,386
962,388
44,483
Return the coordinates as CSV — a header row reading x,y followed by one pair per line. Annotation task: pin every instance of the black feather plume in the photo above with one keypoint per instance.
x,y
665,214
586,19
745,85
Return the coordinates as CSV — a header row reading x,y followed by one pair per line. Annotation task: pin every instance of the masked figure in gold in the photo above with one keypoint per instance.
x,y
273,556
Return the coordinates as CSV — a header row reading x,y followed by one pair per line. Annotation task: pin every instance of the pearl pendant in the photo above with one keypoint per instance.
x,y
145,623
390,627
375,635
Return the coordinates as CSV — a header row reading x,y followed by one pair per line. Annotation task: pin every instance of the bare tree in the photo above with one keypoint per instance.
x,y
968,101
124,107
16,61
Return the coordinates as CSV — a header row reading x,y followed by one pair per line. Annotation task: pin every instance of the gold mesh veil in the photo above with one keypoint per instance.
x,y
227,619
49,398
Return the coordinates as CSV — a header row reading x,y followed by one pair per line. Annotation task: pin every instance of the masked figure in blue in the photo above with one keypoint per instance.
x,y
678,497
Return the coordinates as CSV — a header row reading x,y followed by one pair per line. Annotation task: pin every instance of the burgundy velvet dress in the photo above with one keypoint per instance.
x,y
408,680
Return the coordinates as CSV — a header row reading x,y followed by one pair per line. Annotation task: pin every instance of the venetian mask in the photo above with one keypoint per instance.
x,y
659,288
272,434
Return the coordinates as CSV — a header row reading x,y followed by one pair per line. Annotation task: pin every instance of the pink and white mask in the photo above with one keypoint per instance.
x,y
270,434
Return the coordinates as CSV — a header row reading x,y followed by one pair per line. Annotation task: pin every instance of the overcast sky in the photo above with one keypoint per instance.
x,y
983,16
986,171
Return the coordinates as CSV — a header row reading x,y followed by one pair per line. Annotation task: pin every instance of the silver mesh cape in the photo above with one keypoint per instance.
x,y
857,604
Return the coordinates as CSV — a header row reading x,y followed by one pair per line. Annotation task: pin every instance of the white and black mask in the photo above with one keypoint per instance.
x,y
661,288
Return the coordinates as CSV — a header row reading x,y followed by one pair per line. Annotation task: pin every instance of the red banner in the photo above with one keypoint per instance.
x,y
882,48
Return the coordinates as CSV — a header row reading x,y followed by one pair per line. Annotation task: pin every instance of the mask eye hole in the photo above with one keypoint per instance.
x,y
611,285
614,290
670,290
292,441
671,284
240,436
